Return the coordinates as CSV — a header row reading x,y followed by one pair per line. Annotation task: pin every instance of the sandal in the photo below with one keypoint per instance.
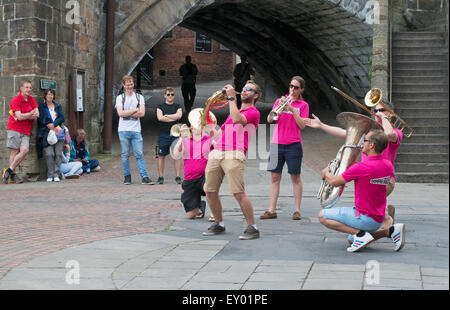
x,y
296,216
268,215
200,215
211,219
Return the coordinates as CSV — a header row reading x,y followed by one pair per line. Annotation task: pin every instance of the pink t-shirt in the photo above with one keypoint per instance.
x,y
236,136
286,130
390,152
371,180
195,156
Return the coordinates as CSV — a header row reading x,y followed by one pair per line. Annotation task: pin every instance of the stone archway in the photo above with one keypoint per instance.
x,y
327,42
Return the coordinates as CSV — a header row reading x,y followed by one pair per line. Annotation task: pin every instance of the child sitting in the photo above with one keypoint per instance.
x,y
79,152
70,170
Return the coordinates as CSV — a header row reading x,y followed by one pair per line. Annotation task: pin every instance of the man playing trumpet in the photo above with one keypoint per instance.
x,y
286,146
228,158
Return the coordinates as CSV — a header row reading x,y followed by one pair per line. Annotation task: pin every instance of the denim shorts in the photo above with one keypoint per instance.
x,y
291,154
347,216
164,142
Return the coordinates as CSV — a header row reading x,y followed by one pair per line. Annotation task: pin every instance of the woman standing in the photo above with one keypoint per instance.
x,y
51,117
286,146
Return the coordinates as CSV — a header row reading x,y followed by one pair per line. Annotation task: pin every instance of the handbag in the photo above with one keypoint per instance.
x,y
60,133
51,138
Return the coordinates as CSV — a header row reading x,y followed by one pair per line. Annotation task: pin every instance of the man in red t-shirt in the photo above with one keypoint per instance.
x,y
23,111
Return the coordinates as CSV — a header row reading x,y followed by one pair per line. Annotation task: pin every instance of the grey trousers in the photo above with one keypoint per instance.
x,y
53,157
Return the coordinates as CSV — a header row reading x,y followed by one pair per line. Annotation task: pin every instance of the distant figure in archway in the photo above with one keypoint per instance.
x,y
188,71
242,73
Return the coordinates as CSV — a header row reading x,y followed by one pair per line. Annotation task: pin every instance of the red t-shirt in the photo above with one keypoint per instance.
x,y
18,103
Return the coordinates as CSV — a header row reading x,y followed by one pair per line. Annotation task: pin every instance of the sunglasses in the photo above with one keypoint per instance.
x,y
379,110
366,140
294,87
170,94
248,89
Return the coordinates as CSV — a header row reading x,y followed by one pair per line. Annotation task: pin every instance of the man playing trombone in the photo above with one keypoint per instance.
x,y
291,114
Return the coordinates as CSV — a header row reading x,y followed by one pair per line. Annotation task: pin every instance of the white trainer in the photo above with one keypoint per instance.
x,y
56,179
50,180
360,242
398,236
96,169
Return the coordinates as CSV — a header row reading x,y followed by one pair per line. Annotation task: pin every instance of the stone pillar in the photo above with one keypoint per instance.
x,y
380,51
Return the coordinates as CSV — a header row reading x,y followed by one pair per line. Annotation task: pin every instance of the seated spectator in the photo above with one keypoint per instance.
x,y
70,170
79,151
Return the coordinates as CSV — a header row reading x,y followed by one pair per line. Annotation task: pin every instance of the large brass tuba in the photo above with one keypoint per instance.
x,y
199,117
356,125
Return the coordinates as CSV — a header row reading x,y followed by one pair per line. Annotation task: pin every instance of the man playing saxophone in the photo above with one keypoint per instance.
x,y
395,137
371,179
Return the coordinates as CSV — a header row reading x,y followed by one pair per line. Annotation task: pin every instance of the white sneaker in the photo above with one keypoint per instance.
x,y
96,169
360,242
50,180
56,179
398,236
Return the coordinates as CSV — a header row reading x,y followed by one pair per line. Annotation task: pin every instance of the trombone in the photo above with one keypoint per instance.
x,y
372,98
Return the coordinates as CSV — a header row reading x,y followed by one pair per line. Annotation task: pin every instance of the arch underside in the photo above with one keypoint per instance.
x,y
318,40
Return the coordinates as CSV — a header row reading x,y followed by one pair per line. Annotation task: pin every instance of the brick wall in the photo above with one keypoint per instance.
x,y
169,54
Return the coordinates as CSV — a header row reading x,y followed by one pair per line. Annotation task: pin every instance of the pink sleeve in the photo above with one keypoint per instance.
x,y
252,117
354,172
304,111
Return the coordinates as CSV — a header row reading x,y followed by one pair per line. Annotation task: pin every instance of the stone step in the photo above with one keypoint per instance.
x,y
421,177
419,72
425,95
417,35
426,121
419,103
418,57
421,167
417,43
419,50
402,87
423,80
425,111
418,147
403,157
419,65
426,138
429,129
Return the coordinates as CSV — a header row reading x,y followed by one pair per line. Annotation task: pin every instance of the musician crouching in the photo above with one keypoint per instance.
x,y
371,179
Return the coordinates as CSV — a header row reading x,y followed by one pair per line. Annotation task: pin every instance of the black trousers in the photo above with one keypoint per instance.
x,y
188,91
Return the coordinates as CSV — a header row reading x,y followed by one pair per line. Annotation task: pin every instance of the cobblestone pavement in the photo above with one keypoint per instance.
x,y
137,236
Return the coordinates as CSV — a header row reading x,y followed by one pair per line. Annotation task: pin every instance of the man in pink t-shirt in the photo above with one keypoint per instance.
x,y
23,112
286,146
371,179
228,158
194,150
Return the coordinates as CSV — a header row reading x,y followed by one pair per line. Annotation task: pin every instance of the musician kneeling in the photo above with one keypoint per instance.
x,y
371,181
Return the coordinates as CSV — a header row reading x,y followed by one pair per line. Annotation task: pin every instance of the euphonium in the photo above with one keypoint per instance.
x,y
356,125
199,117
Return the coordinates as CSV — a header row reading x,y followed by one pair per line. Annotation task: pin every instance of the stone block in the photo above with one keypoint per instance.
x,y
8,12
83,42
56,53
33,9
31,28
8,50
32,48
66,35
6,85
3,31
52,32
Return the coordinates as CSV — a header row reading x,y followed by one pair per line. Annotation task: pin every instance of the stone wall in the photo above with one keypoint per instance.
x,y
169,54
43,40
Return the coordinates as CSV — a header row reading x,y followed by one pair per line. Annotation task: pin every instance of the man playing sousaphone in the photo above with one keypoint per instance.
x,y
395,137
371,179
228,158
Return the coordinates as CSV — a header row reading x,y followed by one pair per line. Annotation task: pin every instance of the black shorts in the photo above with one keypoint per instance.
x,y
192,192
164,142
291,154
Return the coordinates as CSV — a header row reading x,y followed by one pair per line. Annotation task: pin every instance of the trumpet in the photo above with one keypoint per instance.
x,y
372,98
274,114
180,130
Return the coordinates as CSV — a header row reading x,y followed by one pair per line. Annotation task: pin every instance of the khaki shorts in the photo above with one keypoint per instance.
x,y
15,140
229,163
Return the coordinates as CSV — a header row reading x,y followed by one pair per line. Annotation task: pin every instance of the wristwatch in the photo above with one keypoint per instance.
x,y
231,98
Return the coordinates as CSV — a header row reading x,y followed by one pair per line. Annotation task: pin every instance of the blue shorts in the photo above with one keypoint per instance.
x,y
164,142
347,216
291,154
